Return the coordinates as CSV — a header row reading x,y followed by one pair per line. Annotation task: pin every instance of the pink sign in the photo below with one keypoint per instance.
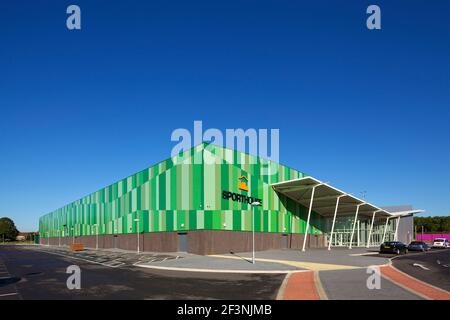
x,y
431,236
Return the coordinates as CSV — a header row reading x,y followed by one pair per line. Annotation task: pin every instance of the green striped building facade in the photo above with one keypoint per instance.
x,y
184,193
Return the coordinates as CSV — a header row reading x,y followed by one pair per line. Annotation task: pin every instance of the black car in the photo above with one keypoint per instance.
x,y
396,247
418,246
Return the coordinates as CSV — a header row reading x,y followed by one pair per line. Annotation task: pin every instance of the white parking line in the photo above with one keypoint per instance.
x,y
420,266
8,294
12,286
73,257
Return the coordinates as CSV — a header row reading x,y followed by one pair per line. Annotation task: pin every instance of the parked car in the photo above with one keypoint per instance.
x,y
396,247
440,243
418,246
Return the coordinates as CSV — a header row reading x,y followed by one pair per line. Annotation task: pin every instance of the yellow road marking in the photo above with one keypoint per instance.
x,y
299,264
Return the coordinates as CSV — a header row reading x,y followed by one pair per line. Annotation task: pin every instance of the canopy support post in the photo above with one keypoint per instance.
x,y
385,229
309,216
370,230
396,229
334,220
354,225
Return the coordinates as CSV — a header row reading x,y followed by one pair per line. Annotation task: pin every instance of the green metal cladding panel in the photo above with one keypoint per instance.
x,y
185,193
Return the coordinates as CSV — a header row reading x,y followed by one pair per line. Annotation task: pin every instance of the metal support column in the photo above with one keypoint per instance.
x,y
309,216
396,229
385,229
334,220
354,225
370,230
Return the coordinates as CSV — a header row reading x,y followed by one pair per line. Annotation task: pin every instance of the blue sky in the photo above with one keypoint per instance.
x,y
364,110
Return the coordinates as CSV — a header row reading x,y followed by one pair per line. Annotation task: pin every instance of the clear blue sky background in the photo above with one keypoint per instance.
x,y
364,110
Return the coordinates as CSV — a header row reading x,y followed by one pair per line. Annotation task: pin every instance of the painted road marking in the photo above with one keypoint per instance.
x,y
414,285
420,266
299,264
79,258
115,260
280,294
8,294
319,287
216,270
11,286
363,254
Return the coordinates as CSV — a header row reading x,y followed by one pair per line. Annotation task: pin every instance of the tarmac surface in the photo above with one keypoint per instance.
x,y
39,272
432,267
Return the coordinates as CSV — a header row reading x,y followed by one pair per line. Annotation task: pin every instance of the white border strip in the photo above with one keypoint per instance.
x,y
220,270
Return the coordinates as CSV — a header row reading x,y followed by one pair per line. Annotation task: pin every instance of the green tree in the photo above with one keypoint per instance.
x,y
432,224
8,229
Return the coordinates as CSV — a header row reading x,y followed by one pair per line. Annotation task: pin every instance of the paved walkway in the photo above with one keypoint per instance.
x,y
357,257
300,286
273,261
194,263
352,284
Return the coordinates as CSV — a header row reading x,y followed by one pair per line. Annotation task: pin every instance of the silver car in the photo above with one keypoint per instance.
x,y
440,243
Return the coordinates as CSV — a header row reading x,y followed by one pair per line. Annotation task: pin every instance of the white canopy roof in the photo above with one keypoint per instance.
x,y
325,196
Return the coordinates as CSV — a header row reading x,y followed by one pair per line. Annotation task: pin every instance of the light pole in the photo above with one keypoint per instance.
x,y
137,228
48,239
254,204
96,237
73,235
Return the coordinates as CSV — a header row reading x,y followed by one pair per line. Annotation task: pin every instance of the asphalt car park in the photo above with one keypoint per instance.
x,y
109,258
432,267
39,272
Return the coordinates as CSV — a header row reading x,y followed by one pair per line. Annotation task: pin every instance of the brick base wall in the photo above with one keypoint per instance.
x,y
202,242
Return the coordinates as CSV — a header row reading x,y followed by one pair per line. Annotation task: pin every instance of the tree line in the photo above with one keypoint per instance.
x,y
8,230
432,224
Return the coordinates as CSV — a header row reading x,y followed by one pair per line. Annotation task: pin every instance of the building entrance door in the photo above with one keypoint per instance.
x,y
285,241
